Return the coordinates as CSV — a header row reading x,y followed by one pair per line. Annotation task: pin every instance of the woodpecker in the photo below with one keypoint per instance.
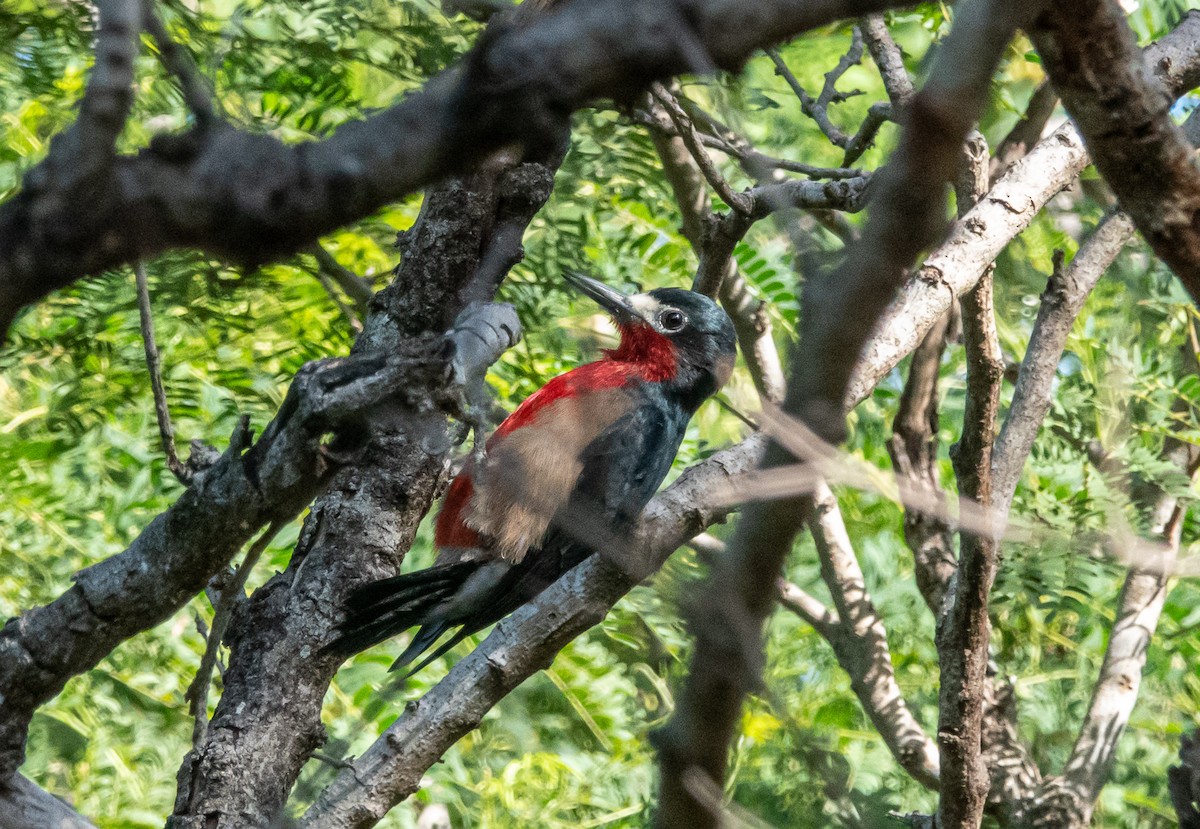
x,y
594,443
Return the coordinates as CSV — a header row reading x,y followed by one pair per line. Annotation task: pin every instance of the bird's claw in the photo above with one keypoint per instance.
x,y
482,332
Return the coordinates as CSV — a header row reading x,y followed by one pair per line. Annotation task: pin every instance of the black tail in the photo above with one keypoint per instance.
x,y
382,609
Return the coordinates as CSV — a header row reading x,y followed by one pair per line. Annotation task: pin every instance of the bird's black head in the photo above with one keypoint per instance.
x,y
679,338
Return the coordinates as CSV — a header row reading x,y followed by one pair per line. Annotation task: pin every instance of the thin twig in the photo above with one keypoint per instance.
x,y
352,318
197,693
197,93
1026,132
163,414
356,287
818,108
687,132
861,141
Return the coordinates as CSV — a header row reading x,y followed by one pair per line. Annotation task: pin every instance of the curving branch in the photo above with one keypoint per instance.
x,y
977,239
859,641
1123,112
251,198
519,646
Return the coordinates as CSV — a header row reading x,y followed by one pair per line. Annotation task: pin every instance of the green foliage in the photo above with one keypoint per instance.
x,y
82,471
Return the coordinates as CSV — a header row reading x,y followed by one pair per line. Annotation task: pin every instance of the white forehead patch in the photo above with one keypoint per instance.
x,y
645,305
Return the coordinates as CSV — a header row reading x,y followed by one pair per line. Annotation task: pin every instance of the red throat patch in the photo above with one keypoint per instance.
x,y
653,353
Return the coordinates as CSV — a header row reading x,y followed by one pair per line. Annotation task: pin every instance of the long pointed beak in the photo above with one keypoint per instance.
x,y
615,302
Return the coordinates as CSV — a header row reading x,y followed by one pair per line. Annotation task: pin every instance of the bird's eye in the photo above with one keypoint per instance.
x,y
672,320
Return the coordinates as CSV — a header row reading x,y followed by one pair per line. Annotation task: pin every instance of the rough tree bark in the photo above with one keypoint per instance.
x,y
1123,112
268,721
249,197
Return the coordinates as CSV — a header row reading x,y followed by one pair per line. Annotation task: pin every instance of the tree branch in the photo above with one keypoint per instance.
x,y
229,596
691,140
888,58
909,216
197,93
976,240
748,313
519,646
964,630
819,617
356,287
1066,291
246,488
1026,132
362,525
25,805
741,589
1123,112
251,198
859,640
913,449
162,411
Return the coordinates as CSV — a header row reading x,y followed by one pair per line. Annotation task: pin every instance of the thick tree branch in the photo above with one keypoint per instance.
x,y
914,444
693,747
888,58
1123,112
976,240
519,646
246,488
251,198
361,526
24,805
